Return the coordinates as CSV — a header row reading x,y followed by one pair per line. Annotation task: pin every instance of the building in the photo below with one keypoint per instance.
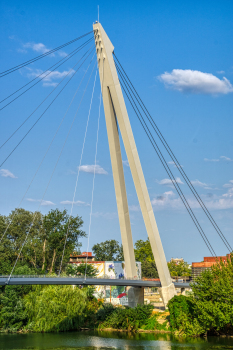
x,y
81,257
111,270
199,267
177,260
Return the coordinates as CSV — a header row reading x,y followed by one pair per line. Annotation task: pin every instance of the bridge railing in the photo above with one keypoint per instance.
x,y
70,276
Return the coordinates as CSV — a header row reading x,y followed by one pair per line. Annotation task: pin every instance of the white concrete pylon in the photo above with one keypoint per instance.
x,y
115,111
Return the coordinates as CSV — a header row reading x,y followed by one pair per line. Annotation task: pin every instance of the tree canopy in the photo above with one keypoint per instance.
x,y
44,245
109,250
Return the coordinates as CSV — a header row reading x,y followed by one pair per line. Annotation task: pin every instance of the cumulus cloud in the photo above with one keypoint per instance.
x,y
93,168
79,203
168,182
196,82
176,166
7,173
169,200
49,78
43,202
200,184
222,158
230,184
40,48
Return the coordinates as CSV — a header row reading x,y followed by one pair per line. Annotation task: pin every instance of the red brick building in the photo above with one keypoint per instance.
x,y
199,267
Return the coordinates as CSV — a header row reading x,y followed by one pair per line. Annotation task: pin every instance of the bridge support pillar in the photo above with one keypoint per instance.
x,y
166,293
182,291
135,296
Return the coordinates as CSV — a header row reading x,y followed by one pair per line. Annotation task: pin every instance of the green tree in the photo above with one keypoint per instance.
x,y
109,250
143,253
210,307
179,269
81,270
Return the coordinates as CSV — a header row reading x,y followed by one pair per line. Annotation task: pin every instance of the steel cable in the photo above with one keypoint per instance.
x,y
71,54
169,172
13,69
177,164
47,186
42,101
46,151
43,112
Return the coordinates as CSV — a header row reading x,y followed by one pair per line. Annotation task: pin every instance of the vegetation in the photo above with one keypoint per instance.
x,y
81,270
181,268
44,246
210,308
108,251
130,319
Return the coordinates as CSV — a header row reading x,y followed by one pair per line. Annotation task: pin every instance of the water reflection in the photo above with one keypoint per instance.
x,y
109,341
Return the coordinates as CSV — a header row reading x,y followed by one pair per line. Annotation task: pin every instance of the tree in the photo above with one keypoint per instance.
x,y
108,251
210,306
81,270
143,253
179,269
46,236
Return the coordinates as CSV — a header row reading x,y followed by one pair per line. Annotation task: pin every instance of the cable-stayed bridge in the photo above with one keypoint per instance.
x,y
113,81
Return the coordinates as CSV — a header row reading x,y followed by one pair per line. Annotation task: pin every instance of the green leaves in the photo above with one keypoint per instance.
x,y
108,251
210,308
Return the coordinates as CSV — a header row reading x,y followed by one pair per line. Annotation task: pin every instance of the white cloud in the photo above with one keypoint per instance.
x,y
7,173
79,203
201,184
230,184
176,166
168,182
43,202
221,72
93,168
169,200
196,82
222,158
49,76
40,48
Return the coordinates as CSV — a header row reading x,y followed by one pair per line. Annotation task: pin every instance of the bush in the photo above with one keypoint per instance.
x,y
210,308
130,319
182,316
59,308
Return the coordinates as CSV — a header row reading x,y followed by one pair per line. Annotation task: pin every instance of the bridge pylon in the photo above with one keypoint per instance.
x,y
116,114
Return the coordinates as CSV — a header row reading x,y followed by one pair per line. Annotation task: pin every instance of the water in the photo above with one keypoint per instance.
x,y
107,341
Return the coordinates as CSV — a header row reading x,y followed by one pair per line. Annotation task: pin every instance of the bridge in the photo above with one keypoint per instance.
x,y
82,281
114,81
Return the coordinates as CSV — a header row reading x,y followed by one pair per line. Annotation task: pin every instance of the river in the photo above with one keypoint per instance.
x,y
107,341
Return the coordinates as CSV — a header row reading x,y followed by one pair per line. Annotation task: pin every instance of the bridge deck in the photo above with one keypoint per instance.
x,y
82,281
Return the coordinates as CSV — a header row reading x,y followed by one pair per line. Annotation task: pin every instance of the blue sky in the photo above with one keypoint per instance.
x,y
178,55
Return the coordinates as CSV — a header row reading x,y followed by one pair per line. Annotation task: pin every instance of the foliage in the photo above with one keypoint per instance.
x,y
44,246
58,308
13,315
213,292
179,269
210,308
149,269
152,323
108,251
130,319
143,253
81,270
182,316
